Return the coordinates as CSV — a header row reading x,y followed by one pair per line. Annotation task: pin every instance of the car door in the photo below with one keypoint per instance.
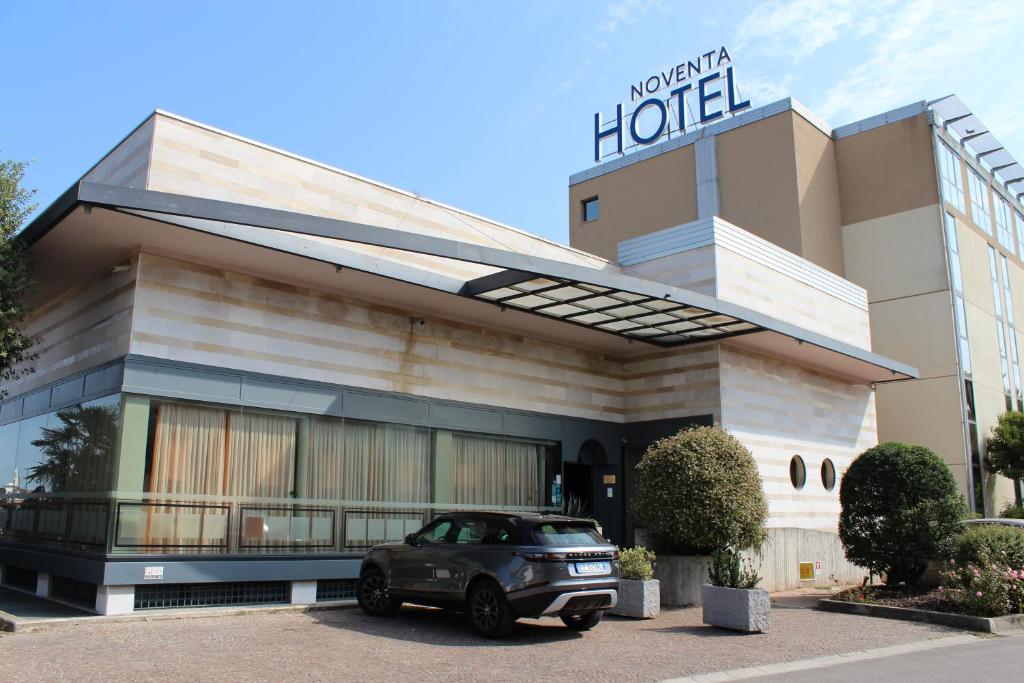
x,y
482,544
412,568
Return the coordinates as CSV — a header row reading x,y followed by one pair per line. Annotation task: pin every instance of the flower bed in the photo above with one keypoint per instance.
x,y
986,588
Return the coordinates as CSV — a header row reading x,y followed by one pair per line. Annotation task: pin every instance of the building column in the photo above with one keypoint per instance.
x,y
303,592
111,600
42,585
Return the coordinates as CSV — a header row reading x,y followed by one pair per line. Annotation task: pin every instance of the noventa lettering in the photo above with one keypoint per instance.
x,y
714,92
682,72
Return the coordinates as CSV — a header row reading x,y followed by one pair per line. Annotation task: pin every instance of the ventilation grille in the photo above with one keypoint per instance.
x,y
335,589
211,594
73,590
17,577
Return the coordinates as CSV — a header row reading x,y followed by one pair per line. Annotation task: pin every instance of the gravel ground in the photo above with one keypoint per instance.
x,y
427,645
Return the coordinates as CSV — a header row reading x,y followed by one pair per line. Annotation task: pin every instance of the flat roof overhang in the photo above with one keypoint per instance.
x,y
603,309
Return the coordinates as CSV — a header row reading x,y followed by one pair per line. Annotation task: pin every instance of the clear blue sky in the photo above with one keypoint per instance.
x,y
484,105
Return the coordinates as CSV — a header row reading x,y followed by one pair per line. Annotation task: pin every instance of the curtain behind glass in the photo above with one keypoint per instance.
x,y
261,460
189,448
351,460
488,471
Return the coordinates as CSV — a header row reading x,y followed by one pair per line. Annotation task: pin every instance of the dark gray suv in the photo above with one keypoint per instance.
x,y
497,567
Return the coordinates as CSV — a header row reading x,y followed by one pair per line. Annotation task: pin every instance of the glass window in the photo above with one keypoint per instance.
x,y
483,531
436,532
68,450
591,209
952,181
1007,298
1004,223
979,201
797,472
196,449
350,460
1004,365
994,276
957,283
828,474
1020,235
566,533
493,471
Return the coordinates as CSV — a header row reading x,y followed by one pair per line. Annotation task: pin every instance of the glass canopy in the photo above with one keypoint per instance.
x,y
635,316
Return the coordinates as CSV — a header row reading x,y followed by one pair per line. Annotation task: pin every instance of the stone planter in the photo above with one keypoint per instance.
x,y
681,578
638,599
739,609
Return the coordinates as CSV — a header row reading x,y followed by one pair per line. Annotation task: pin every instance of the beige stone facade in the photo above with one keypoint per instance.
x,y
866,202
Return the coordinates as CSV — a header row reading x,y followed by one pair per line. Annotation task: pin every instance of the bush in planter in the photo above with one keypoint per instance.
x,y
729,571
699,491
1005,451
636,564
1000,543
900,509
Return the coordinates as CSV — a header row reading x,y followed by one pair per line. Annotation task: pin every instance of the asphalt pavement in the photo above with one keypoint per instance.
x,y
986,659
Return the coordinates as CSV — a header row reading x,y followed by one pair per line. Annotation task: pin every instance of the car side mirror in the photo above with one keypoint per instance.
x,y
410,539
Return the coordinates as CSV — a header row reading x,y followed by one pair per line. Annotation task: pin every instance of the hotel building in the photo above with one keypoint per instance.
x,y
254,366
920,207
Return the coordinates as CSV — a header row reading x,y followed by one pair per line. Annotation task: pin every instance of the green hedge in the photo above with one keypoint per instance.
x,y
990,543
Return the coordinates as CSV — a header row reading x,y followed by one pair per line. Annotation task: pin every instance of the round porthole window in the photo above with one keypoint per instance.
x,y
797,472
828,474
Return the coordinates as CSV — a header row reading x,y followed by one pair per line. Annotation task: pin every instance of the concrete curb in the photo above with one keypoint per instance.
x,y
996,625
823,662
10,623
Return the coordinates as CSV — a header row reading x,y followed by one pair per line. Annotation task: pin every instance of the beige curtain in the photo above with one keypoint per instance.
x,y
351,460
487,471
189,447
261,458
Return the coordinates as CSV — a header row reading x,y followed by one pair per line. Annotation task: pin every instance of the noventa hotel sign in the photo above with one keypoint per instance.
x,y
699,92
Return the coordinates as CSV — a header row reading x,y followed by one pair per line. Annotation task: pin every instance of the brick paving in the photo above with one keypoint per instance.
x,y
429,645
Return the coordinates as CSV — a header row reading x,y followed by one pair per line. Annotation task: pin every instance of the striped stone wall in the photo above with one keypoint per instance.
x,y
84,327
779,410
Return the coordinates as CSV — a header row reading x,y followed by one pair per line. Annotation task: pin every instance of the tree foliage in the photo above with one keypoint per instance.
x,y
698,492
1006,446
900,509
16,352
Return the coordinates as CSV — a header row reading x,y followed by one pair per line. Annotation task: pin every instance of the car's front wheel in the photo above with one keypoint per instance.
x,y
582,622
489,611
373,596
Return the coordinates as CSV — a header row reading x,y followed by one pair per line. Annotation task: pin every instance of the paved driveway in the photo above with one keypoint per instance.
x,y
427,645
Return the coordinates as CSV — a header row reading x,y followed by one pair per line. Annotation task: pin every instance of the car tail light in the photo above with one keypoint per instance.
x,y
615,555
544,557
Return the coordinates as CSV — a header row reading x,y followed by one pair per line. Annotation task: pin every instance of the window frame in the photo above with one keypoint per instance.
x,y
596,202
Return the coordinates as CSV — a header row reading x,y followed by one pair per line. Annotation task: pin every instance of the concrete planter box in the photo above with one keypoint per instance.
x,y
681,578
739,609
997,625
638,599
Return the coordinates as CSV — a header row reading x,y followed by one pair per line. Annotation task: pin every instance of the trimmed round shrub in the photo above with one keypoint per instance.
x,y
985,543
636,564
698,492
900,509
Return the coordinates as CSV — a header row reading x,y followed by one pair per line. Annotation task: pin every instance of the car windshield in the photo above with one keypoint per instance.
x,y
567,533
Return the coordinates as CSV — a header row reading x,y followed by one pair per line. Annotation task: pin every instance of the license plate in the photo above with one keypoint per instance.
x,y
591,568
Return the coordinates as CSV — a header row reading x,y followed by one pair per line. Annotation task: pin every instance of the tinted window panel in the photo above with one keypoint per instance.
x,y
567,533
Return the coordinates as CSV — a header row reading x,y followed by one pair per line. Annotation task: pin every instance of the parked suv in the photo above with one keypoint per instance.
x,y
497,567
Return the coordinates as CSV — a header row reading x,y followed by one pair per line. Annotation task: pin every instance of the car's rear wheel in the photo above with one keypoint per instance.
x,y
583,622
373,596
489,611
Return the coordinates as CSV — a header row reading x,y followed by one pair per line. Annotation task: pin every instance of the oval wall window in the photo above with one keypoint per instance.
x,y
797,472
828,474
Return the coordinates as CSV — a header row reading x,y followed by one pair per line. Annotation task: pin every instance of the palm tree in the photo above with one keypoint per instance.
x,y
77,452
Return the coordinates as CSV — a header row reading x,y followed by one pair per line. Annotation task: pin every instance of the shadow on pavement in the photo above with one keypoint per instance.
x,y
431,626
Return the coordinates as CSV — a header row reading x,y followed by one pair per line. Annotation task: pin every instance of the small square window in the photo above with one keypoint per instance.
x,y
591,209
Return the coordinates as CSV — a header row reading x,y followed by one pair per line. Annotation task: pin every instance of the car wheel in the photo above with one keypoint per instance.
x,y
489,611
372,594
582,622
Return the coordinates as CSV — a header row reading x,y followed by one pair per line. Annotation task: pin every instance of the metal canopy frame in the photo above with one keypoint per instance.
x,y
638,308
973,134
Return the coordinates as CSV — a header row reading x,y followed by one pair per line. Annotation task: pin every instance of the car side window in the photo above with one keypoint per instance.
x,y
437,533
483,531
